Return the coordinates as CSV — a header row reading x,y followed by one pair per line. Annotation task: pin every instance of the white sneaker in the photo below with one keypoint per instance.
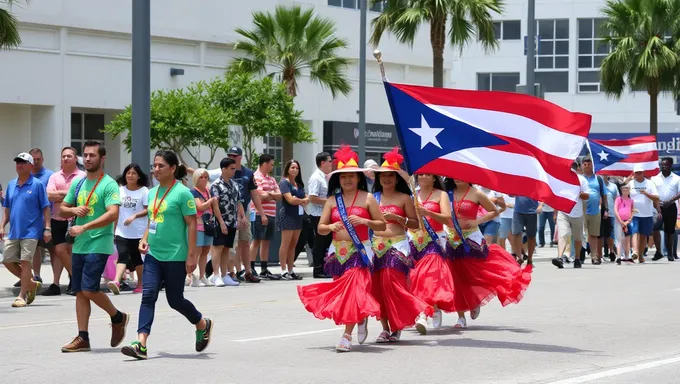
x,y
437,319
203,282
228,281
362,331
421,324
219,281
194,281
474,314
187,281
461,323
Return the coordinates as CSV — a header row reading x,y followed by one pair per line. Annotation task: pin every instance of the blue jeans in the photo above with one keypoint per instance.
x,y
173,274
542,217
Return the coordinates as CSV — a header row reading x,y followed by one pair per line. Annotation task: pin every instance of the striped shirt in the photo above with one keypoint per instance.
x,y
266,183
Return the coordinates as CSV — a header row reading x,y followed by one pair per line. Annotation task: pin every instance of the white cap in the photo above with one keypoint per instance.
x,y
370,163
638,168
23,156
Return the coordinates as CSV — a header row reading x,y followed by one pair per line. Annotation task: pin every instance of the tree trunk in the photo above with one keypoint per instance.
x,y
653,110
438,41
287,152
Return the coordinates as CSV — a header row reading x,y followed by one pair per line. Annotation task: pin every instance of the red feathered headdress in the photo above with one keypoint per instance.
x,y
346,159
393,160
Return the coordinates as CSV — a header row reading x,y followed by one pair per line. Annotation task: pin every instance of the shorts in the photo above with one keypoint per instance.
x,y
222,240
128,252
59,229
593,224
203,240
642,225
243,234
605,227
490,228
87,271
619,230
522,221
573,226
264,232
19,250
505,227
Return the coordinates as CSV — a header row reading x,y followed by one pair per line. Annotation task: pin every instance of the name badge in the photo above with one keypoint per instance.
x,y
152,227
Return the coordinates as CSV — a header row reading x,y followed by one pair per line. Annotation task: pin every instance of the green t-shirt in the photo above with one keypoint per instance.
x,y
98,240
170,242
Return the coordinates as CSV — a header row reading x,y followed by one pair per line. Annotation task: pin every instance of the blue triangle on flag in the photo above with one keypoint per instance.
x,y
603,156
427,134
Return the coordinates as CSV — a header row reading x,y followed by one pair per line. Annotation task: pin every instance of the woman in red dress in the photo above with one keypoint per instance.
x,y
431,278
392,261
482,271
349,213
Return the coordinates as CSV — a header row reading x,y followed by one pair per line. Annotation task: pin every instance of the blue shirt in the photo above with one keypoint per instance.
x,y
26,204
44,176
245,180
593,204
525,205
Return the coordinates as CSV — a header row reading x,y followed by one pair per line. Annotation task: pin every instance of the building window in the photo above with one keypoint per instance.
x,y
552,58
508,29
498,81
273,145
355,4
592,49
84,127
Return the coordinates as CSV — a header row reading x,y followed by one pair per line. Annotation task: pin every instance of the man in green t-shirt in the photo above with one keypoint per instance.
x,y
94,202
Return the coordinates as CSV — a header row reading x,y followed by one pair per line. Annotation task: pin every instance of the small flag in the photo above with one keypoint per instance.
x,y
603,156
638,150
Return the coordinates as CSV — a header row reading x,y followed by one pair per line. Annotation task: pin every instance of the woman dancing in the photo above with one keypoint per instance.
x,y
431,279
347,299
480,271
392,261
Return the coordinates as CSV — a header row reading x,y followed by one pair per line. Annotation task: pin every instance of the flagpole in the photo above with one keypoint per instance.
x,y
362,80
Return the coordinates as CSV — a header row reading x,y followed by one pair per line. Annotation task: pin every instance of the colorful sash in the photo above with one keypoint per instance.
x,y
433,235
456,225
342,210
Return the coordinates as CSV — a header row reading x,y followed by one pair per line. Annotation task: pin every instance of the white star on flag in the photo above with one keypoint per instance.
x,y
427,135
603,155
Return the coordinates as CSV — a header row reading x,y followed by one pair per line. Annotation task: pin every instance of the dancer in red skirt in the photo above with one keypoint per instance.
x,y
431,278
349,213
480,272
392,261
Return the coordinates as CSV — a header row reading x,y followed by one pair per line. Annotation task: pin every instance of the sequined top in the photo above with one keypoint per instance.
x,y
362,230
466,209
395,209
436,208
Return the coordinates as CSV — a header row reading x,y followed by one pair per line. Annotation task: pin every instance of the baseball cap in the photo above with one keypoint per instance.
x,y
370,163
638,168
235,151
23,156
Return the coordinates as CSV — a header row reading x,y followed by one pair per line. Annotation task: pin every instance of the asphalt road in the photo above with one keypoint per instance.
x,y
605,324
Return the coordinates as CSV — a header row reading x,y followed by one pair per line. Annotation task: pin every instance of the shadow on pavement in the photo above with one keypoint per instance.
x,y
472,343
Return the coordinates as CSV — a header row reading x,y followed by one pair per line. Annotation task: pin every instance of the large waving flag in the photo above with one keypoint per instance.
x,y
507,142
603,156
638,150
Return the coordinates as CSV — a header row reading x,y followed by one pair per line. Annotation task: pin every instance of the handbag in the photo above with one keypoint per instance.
x,y
70,239
209,223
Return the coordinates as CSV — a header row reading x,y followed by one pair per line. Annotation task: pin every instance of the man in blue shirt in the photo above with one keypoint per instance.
x,y
28,212
524,219
43,174
596,209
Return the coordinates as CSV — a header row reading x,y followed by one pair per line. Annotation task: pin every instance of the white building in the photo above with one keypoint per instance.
x,y
567,67
72,73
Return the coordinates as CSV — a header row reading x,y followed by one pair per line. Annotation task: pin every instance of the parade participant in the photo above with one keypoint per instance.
x,y
347,299
94,201
392,260
431,278
480,271
170,247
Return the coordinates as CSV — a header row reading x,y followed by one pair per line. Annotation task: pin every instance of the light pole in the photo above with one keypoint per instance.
x,y
362,81
141,83
531,46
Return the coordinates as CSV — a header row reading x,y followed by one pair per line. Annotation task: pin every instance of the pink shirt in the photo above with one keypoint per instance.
x,y
266,183
624,206
61,182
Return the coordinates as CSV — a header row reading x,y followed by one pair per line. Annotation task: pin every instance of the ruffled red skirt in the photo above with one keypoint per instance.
x,y
397,304
347,299
476,281
431,281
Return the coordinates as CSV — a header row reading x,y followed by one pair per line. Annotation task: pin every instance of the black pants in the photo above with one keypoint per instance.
x,y
321,244
306,237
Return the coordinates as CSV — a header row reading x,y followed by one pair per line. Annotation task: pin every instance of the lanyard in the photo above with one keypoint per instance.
x,y
87,201
156,207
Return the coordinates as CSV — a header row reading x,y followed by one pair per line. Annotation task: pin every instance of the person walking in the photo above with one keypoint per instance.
x,y
170,247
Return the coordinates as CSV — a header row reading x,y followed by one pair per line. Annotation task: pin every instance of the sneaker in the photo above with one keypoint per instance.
x,y
421,324
558,263
138,289
240,275
474,314
77,345
135,350
52,290
229,281
437,319
577,263
362,331
461,323
118,331
295,276
30,295
251,278
265,274
286,276
618,261
125,287
195,281
657,256
114,287
205,282
203,336
218,280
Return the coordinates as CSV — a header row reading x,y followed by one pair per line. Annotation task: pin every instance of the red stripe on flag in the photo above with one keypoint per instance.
x,y
625,142
501,182
623,173
557,167
641,157
533,108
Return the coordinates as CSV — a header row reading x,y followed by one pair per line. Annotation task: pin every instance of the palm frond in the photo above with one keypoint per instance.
x,y
9,29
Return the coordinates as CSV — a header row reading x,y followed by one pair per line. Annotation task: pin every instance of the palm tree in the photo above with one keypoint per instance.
x,y
645,40
403,18
288,43
9,29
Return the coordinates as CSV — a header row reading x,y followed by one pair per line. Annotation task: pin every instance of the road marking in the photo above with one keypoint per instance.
x,y
619,371
287,335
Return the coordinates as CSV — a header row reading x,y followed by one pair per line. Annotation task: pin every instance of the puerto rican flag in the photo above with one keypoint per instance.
x,y
507,142
637,150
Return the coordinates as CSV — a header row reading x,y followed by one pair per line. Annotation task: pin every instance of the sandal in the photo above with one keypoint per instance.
x,y
19,303
384,337
345,344
394,337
